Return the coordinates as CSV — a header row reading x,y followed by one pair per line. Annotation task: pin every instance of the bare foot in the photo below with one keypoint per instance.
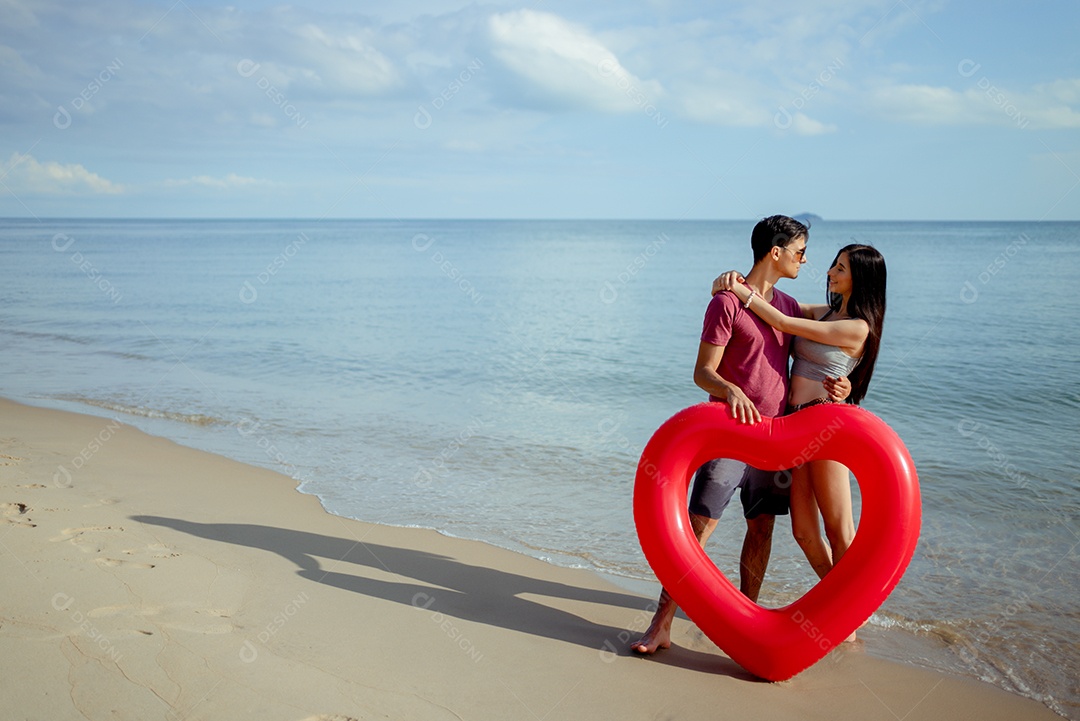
x,y
658,634
851,638
656,637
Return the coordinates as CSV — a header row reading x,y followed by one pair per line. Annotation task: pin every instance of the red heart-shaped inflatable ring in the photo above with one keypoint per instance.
x,y
778,643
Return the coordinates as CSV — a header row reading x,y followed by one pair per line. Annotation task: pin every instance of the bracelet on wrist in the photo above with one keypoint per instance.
x,y
750,298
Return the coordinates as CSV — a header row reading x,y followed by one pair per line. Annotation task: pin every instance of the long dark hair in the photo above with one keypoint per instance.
x,y
867,301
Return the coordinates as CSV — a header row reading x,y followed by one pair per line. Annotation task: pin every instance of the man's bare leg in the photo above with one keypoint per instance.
x,y
658,634
757,546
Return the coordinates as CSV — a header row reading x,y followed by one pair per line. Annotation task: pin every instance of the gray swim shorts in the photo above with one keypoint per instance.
x,y
761,492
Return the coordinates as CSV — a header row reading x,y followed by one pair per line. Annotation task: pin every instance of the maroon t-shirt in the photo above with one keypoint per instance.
x,y
755,354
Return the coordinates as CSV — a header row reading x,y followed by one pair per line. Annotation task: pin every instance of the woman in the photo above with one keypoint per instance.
x,y
841,338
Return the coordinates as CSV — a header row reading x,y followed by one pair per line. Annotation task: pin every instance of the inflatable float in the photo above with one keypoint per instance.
x,y
776,644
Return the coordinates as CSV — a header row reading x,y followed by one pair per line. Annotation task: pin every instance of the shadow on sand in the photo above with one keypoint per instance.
x,y
473,593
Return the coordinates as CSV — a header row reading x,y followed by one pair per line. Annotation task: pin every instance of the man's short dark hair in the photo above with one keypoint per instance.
x,y
776,230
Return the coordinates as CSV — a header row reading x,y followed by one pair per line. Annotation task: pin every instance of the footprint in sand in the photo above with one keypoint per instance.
x,y
101,502
126,610
79,537
6,460
198,627
208,626
114,562
70,534
13,513
156,549
165,618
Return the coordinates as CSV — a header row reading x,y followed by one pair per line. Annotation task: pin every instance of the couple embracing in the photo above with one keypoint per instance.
x,y
749,330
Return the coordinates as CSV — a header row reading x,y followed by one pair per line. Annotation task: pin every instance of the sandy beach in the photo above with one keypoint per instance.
x,y
146,580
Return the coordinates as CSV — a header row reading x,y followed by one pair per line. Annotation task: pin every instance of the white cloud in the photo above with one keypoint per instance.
x,y
24,173
739,69
563,62
804,125
1045,106
1053,105
13,66
264,120
231,180
343,62
1065,91
722,104
921,104
718,107
17,16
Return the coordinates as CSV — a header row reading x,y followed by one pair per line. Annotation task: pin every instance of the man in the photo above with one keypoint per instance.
x,y
742,361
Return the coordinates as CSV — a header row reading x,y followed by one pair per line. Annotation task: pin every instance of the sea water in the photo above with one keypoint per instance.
x,y
497,380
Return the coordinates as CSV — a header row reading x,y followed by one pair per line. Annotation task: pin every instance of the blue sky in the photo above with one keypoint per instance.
x,y
851,109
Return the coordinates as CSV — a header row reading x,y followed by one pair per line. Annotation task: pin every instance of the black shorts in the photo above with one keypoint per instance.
x,y
761,492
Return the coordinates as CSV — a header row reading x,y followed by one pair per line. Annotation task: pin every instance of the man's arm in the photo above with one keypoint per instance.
x,y
706,378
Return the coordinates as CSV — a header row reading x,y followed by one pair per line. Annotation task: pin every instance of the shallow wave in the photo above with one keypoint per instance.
x,y
47,335
196,419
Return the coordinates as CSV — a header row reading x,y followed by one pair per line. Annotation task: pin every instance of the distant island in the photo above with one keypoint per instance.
x,y
808,218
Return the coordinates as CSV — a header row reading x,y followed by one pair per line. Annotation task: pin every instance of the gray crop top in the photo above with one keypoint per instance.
x,y
815,360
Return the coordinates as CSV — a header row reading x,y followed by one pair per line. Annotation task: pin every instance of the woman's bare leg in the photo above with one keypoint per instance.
x,y
805,523
832,491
